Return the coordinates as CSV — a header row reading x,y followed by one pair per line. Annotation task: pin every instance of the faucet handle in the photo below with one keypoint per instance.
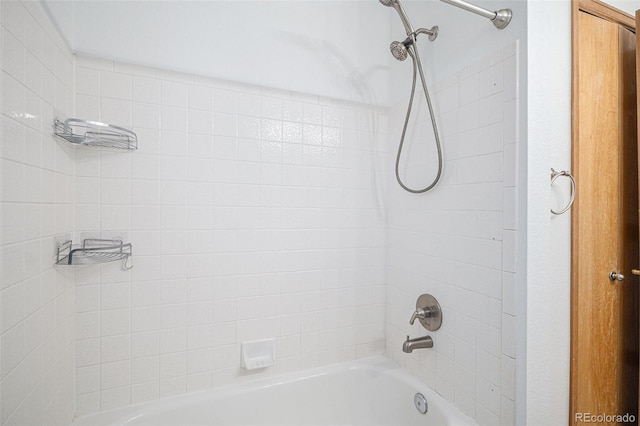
x,y
419,313
428,312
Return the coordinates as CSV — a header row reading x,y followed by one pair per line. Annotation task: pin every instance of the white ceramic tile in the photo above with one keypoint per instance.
x,y
115,398
223,148
173,386
202,336
115,374
115,85
465,381
200,122
248,104
115,348
465,403
312,114
272,108
508,335
292,110
115,322
145,392
145,115
87,403
200,145
271,130
145,344
199,337
13,349
489,396
88,298
200,98
199,381
145,89
226,101
485,416
507,412
509,251
13,54
87,325
173,365
94,63
174,118
87,352
469,89
508,293
508,377
115,296
12,303
33,74
227,125
510,78
12,186
175,94
173,340
491,80
145,369
87,379
115,111
491,109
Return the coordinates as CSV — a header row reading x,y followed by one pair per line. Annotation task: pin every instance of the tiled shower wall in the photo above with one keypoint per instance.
x,y
36,172
253,214
457,242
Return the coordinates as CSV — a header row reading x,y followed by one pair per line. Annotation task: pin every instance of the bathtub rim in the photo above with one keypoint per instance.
x,y
122,415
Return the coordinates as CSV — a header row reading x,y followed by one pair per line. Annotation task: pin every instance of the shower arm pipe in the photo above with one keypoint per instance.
x,y
500,18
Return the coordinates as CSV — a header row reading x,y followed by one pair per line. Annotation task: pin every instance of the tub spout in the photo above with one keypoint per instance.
x,y
418,343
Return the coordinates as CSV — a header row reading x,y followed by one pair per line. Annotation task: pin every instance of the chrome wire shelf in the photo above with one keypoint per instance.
x,y
95,134
94,251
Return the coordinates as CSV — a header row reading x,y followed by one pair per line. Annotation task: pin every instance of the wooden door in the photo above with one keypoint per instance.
x,y
604,318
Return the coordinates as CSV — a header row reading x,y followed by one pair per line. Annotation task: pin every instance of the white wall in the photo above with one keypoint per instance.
x,y
548,246
336,49
548,263
36,299
254,213
467,39
457,242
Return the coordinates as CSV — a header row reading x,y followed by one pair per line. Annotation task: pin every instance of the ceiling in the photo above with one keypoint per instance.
x,y
330,48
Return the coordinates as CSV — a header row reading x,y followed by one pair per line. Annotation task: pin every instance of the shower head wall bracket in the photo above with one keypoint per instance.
x,y
400,49
431,32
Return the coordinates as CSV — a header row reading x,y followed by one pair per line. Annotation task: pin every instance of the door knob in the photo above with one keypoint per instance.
x,y
635,271
615,276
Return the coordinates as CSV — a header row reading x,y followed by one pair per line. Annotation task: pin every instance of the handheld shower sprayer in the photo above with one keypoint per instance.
x,y
401,50
403,16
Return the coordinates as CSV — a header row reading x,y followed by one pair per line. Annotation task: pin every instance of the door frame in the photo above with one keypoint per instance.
x,y
607,12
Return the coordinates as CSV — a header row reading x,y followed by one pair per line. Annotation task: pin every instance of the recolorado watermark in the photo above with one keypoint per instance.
x,y
605,418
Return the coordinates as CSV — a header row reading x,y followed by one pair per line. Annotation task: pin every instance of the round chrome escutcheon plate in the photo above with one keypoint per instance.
x,y
421,402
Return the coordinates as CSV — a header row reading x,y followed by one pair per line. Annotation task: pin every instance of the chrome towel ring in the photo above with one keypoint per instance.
x,y
555,175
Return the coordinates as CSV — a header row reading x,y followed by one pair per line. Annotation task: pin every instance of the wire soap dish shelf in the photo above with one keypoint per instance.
x,y
95,134
94,251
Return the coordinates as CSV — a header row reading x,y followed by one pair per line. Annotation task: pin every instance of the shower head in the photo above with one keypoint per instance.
x,y
399,50
403,16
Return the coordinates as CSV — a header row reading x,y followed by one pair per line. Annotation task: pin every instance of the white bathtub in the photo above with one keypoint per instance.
x,y
372,391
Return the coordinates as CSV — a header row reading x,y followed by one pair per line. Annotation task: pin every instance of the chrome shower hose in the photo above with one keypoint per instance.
x,y
417,67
